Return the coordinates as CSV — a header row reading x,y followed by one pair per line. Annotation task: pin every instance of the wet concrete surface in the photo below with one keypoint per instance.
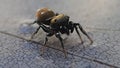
x,y
17,53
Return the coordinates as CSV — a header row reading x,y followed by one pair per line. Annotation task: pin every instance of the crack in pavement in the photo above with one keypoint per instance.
x,y
90,59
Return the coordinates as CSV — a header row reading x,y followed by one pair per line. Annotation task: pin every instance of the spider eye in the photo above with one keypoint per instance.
x,y
55,20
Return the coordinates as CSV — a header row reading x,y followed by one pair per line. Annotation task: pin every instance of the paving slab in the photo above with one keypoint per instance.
x,y
17,53
105,47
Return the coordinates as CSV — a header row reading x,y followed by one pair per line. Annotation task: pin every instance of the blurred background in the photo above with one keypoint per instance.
x,y
91,13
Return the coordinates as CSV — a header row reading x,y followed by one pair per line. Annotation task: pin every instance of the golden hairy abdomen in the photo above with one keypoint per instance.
x,y
44,13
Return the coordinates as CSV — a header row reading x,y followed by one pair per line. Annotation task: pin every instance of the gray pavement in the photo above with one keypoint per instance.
x,y
94,15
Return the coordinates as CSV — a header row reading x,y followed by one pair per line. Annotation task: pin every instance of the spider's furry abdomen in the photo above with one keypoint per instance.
x,y
43,14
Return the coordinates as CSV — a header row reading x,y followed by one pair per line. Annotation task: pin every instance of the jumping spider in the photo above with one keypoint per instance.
x,y
56,24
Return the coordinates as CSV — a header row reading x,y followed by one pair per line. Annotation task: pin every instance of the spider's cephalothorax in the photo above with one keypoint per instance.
x,y
57,24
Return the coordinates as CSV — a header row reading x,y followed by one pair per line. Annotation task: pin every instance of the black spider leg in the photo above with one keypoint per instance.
x,y
35,32
31,23
50,33
78,34
61,41
46,29
84,32
46,39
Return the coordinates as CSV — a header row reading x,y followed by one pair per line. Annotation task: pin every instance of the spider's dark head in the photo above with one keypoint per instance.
x,y
44,14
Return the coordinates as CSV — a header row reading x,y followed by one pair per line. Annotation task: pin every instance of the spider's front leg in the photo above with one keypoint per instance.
x,y
78,34
61,41
84,32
